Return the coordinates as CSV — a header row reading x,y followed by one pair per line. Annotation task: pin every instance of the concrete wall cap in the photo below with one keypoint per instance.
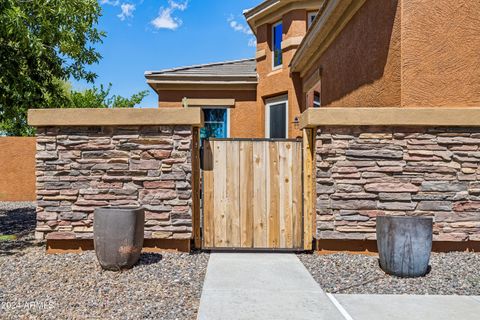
x,y
115,117
441,116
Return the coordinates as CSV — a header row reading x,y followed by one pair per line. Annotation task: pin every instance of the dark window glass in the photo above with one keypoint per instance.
x,y
278,120
316,99
311,17
215,123
277,44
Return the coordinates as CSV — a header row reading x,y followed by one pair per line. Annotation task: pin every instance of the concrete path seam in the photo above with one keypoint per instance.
x,y
339,307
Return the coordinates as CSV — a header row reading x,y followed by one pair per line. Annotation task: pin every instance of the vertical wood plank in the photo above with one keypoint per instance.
x,y
208,191
273,196
282,193
246,194
297,209
288,199
309,187
260,219
232,197
220,187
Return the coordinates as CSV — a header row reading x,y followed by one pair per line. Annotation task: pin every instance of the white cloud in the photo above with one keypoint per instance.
x,y
239,27
127,11
182,6
110,2
165,18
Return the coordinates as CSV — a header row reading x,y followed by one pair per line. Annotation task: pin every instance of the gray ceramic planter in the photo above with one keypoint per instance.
x,y
404,245
118,236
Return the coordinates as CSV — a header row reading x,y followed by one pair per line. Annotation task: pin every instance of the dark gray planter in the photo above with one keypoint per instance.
x,y
404,245
118,236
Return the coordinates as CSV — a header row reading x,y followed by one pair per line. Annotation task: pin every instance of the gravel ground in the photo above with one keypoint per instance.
x,y
34,285
456,273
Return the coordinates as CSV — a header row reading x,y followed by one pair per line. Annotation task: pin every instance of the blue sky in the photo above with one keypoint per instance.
x,y
157,34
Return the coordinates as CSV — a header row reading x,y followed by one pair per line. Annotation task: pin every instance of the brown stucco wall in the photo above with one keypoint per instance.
x,y
17,169
277,82
440,53
245,121
362,65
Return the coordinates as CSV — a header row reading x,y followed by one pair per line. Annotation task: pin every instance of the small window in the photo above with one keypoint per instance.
x,y
311,17
215,123
277,118
277,33
316,100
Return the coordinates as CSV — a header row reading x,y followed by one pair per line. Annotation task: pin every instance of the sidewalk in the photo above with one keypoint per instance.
x,y
262,286
411,307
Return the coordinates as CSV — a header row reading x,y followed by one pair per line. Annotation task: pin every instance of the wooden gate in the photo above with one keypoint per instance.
x,y
252,194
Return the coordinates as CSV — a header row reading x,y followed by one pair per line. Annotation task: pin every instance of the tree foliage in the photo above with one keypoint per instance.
x,y
99,97
42,44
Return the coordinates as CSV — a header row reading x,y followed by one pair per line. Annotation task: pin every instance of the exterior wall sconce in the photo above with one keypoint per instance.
x,y
296,122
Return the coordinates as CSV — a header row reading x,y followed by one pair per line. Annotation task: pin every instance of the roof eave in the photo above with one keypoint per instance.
x,y
202,78
159,85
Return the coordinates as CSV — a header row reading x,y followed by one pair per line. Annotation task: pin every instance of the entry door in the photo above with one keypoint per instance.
x,y
252,194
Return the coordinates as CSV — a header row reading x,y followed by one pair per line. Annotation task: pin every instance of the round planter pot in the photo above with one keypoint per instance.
x,y
118,236
404,245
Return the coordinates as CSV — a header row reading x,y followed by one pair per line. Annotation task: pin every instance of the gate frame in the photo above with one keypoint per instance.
x,y
309,188
307,185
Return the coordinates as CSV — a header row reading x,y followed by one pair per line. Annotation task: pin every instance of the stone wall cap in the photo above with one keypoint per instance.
x,y
394,116
115,117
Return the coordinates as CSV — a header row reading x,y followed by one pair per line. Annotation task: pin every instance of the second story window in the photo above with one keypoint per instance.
x,y
316,99
311,17
277,32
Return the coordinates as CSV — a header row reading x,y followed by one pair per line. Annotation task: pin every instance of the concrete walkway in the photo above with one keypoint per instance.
x,y
411,307
277,286
262,286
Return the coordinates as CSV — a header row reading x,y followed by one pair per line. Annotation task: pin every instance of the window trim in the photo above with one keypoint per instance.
x,y
268,104
273,45
228,116
309,14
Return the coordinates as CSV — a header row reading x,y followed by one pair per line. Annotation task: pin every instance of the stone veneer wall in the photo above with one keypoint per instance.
x,y
363,172
81,168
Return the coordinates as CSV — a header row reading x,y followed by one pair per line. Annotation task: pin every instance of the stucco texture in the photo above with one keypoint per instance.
x,y
242,123
441,53
17,169
277,82
362,65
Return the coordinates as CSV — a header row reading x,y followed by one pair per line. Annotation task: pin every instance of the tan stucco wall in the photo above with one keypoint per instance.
x,y
441,53
17,169
362,65
277,82
245,119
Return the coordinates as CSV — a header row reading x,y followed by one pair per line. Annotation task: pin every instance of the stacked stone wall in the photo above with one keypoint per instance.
x,y
81,168
364,172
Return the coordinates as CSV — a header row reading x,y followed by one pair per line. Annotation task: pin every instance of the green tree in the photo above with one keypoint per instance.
x,y
99,97
42,44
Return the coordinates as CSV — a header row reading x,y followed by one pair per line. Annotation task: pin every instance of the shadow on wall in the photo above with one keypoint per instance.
x,y
359,56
